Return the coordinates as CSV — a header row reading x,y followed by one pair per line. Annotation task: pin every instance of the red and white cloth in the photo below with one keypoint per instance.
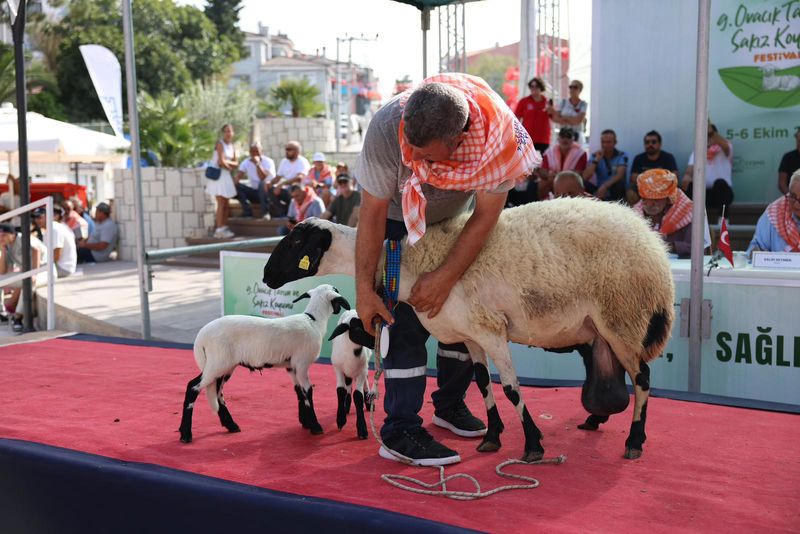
x,y
780,215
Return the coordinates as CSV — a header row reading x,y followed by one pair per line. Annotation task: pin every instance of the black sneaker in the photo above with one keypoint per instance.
x,y
418,446
17,325
460,421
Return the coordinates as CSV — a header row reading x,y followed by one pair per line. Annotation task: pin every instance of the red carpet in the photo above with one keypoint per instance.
x,y
705,468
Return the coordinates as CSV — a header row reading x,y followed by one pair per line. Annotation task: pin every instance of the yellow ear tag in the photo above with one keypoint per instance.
x,y
304,263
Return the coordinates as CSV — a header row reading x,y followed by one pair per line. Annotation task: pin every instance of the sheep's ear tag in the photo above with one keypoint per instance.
x,y
304,263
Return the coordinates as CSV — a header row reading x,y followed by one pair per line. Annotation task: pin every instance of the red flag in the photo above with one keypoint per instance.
x,y
725,242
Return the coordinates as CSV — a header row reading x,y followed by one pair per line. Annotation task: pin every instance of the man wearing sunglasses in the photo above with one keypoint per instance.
x,y
778,228
652,158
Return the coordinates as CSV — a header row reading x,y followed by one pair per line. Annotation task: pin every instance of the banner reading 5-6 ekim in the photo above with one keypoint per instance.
x,y
754,88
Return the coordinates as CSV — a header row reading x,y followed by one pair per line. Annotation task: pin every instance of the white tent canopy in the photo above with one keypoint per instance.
x,y
50,135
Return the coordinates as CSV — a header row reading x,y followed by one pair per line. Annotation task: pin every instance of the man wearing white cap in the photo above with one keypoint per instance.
x,y
320,178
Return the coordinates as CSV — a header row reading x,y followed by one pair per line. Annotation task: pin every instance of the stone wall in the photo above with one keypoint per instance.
x,y
316,135
175,207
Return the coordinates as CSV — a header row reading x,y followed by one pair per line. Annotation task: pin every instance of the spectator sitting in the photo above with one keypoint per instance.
x,y
305,204
608,166
652,158
259,170
571,111
11,260
667,208
10,199
78,205
293,168
279,201
65,253
565,155
569,184
778,228
789,163
342,168
719,162
344,207
97,248
75,222
321,178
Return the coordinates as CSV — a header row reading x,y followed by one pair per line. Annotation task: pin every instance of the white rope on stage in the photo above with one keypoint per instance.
x,y
426,488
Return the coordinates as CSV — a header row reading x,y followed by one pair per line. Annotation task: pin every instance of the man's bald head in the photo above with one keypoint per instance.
x,y
568,184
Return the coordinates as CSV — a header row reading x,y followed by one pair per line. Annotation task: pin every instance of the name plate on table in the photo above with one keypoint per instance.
x,y
776,260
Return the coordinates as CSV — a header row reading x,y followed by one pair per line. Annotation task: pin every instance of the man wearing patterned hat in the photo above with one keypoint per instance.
x,y
667,208
427,154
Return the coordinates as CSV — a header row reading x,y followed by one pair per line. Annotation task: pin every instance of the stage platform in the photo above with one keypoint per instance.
x,y
89,443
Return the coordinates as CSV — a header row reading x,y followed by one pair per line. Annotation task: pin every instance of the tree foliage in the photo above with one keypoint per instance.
x,y
225,16
215,104
299,95
493,70
41,86
175,45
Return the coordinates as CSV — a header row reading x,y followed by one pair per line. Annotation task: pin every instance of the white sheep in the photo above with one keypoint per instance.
x,y
351,363
555,274
784,82
292,342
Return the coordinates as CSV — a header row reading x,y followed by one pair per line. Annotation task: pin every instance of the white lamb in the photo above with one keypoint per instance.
x,y
351,363
784,82
563,274
292,342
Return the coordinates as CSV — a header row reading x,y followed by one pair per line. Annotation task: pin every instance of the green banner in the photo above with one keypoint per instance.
x,y
754,88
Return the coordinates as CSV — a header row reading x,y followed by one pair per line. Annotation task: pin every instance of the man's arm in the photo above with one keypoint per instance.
x,y
57,254
687,177
432,289
369,243
100,245
619,174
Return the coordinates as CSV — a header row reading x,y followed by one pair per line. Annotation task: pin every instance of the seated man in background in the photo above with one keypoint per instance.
x,y
608,166
74,221
11,261
305,204
790,162
65,253
719,168
569,184
344,207
667,208
778,228
259,171
97,248
77,203
565,155
652,158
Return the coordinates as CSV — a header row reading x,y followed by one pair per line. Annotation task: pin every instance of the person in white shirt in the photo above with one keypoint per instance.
x,y
11,261
259,170
65,252
719,166
294,167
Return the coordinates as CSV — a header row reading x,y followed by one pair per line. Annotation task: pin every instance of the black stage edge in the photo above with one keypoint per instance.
x,y
48,489
705,398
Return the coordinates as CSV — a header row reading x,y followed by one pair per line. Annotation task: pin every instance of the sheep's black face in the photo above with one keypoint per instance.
x,y
297,255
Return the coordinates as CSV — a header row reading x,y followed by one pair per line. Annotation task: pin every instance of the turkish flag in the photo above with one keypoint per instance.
x,y
725,241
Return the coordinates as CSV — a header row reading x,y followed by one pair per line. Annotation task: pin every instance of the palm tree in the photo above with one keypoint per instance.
x,y
300,95
36,76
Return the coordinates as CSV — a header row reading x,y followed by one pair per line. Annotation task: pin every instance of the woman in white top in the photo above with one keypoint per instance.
x,y
223,189
571,111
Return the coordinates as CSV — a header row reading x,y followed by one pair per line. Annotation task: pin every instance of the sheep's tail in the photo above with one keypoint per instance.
x,y
211,389
658,331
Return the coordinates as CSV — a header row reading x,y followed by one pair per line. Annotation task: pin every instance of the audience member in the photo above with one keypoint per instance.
x,y
608,166
344,208
719,165
74,221
778,228
652,158
259,170
11,260
293,168
222,189
571,111
569,184
77,203
278,203
667,208
9,200
97,248
789,163
305,204
65,254
342,168
532,113
565,155
320,178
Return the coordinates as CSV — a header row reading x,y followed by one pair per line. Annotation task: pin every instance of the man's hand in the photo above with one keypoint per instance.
x,y
598,156
369,307
602,191
430,292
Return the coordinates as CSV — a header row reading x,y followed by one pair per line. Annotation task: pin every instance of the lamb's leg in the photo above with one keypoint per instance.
x,y
308,394
342,394
491,440
640,376
358,399
188,407
301,398
224,415
348,399
497,349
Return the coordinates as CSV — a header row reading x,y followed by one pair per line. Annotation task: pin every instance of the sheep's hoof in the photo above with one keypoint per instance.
x,y
588,426
186,438
532,456
363,436
632,454
488,446
234,428
316,430
340,422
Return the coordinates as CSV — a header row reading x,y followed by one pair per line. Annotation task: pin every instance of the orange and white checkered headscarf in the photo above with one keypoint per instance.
x,y
496,149
655,184
780,215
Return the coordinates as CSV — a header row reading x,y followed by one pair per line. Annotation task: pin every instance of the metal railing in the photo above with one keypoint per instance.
x,y
49,267
153,257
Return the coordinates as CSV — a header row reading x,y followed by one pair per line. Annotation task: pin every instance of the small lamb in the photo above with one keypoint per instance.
x,y
771,82
351,363
292,342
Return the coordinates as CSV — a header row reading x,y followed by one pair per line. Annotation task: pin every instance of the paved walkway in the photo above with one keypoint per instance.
x,y
182,301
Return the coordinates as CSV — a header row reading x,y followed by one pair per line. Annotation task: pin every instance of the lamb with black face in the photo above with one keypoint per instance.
x,y
297,255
